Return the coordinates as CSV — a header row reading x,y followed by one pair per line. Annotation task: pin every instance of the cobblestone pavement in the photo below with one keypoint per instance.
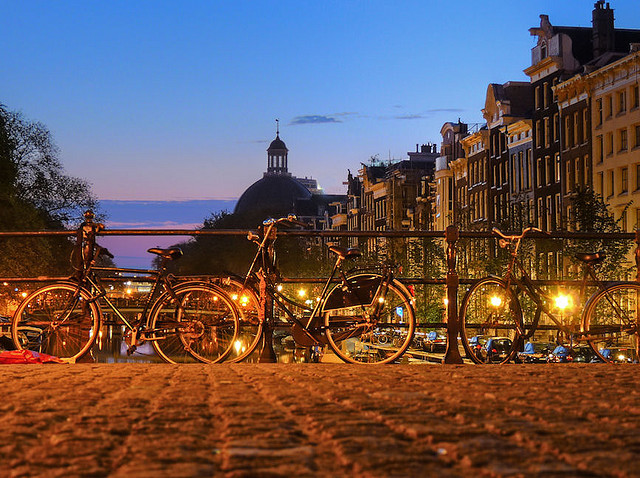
x,y
320,420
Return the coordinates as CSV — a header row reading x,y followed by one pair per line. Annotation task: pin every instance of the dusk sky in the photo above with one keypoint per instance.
x,y
162,100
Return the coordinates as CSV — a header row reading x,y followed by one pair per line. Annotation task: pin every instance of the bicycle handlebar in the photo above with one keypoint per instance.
x,y
514,237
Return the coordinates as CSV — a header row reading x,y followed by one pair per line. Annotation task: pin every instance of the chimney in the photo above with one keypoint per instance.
x,y
603,28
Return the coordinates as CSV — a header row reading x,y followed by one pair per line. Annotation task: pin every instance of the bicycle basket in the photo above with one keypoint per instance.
x,y
360,291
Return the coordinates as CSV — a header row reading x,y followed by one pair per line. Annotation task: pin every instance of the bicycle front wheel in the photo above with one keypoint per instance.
x,y
611,323
490,321
194,323
353,330
58,319
247,304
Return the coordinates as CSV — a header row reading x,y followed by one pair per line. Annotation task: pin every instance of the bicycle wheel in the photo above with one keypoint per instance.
x,y
59,319
611,323
250,333
197,322
352,330
490,321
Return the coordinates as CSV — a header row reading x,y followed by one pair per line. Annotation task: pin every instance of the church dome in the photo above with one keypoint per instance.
x,y
277,144
273,195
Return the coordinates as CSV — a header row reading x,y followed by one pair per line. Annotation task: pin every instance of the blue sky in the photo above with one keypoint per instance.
x,y
162,100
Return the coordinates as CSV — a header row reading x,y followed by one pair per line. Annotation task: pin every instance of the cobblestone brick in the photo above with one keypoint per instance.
x,y
319,420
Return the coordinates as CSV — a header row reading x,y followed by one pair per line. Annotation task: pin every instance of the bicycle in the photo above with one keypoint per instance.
x,y
610,319
353,310
185,320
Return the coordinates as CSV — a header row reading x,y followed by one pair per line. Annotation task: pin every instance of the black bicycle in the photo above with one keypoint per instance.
x,y
350,315
185,320
498,313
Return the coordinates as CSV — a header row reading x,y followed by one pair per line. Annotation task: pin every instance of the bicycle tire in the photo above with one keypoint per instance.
x,y
250,333
59,319
350,331
196,322
611,323
484,308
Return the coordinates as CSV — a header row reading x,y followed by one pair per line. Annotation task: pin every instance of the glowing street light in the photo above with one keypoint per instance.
x,y
562,301
495,301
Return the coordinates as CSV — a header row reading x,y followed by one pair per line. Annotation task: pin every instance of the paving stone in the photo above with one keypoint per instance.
x,y
238,420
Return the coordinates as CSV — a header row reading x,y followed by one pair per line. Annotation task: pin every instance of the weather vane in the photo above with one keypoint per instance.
x,y
277,126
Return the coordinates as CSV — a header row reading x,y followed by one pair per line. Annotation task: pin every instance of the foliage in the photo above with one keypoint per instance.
x,y
591,214
35,194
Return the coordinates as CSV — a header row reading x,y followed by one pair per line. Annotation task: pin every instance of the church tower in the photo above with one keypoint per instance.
x,y
277,156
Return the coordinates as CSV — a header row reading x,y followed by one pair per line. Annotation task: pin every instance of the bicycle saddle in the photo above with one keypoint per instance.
x,y
591,257
171,254
345,252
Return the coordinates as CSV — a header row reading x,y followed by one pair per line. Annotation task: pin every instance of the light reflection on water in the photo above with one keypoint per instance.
x,y
110,347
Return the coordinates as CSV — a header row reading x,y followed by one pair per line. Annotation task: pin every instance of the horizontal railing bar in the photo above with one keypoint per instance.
x,y
317,233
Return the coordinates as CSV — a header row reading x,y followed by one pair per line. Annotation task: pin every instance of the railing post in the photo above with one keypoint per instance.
x,y
637,255
452,354
265,314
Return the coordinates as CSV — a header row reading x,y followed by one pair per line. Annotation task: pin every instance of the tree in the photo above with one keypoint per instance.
x,y
591,214
35,194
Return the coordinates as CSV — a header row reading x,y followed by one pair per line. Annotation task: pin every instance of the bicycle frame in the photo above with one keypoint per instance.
x,y
536,293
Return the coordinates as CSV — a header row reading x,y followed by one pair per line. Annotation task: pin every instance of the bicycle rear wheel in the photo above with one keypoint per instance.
x,y
611,323
490,321
59,319
195,322
352,331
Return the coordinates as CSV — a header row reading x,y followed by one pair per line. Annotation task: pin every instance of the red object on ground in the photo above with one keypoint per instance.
x,y
27,356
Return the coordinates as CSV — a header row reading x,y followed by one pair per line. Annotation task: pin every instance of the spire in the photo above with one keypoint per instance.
x,y
277,127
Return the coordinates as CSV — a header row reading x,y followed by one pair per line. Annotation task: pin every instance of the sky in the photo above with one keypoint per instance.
x,y
177,100
168,107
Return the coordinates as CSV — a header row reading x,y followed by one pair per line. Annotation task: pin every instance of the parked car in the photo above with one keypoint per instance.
x,y
433,342
618,354
584,354
476,342
495,349
535,352
5,335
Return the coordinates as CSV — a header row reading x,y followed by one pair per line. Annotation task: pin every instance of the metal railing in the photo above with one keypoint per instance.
x,y
450,278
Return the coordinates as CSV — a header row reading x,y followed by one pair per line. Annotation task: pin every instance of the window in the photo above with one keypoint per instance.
x,y
576,173
635,96
622,102
611,189
588,180
637,176
599,149
637,218
556,127
537,97
538,133
529,168
547,135
576,120
585,125
567,132
623,218
543,51
540,213
556,177
548,169
624,180
622,134
600,185
549,212
609,106
599,112
545,92
540,172
532,212
609,143
568,181
558,210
